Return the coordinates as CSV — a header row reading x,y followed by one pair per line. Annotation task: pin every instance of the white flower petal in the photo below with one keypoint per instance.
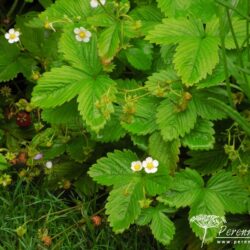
x,y
78,38
7,36
88,33
144,164
11,41
156,163
11,31
103,2
76,30
149,159
86,39
16,39
94,3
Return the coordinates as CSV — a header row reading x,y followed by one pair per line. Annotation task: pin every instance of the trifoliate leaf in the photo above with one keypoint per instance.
x,y
164,151
174,123
201,137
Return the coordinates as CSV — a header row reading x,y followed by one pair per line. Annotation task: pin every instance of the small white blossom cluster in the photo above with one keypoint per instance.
x,y
96,3
82,35
149,164
12,36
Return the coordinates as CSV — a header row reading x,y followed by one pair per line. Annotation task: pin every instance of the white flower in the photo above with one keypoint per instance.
x,y
136,166
12,36
49,164
95,3
82,35
150,165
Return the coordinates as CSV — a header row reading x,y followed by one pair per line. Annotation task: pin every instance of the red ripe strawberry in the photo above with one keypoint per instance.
x,y
23,119
97,220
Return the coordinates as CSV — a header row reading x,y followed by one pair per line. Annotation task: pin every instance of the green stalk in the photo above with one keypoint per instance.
x,y
233,8
247,89
10,12
222,38
248,37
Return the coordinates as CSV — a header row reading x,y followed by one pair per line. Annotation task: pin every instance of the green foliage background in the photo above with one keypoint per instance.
x,y
167,79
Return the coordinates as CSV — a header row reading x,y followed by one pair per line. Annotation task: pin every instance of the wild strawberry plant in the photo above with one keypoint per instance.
x,y
149,98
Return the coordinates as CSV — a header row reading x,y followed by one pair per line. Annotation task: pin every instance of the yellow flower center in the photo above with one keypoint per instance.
x,y
150,165
12,36
82,34
137,167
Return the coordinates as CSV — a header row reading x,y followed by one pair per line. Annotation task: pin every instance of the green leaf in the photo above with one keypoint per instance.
x,y
140,56
58,86
174,8
162,227
195,58
81,55
112,131
201,137
230,192
3,163
166,152
12,61
108,42
144,120
62,12
123,205
148,16
186,188
41,43
207,162
160,81
93,92
207,204
206,109
174,123
77,147
65,114
114,169
175,31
